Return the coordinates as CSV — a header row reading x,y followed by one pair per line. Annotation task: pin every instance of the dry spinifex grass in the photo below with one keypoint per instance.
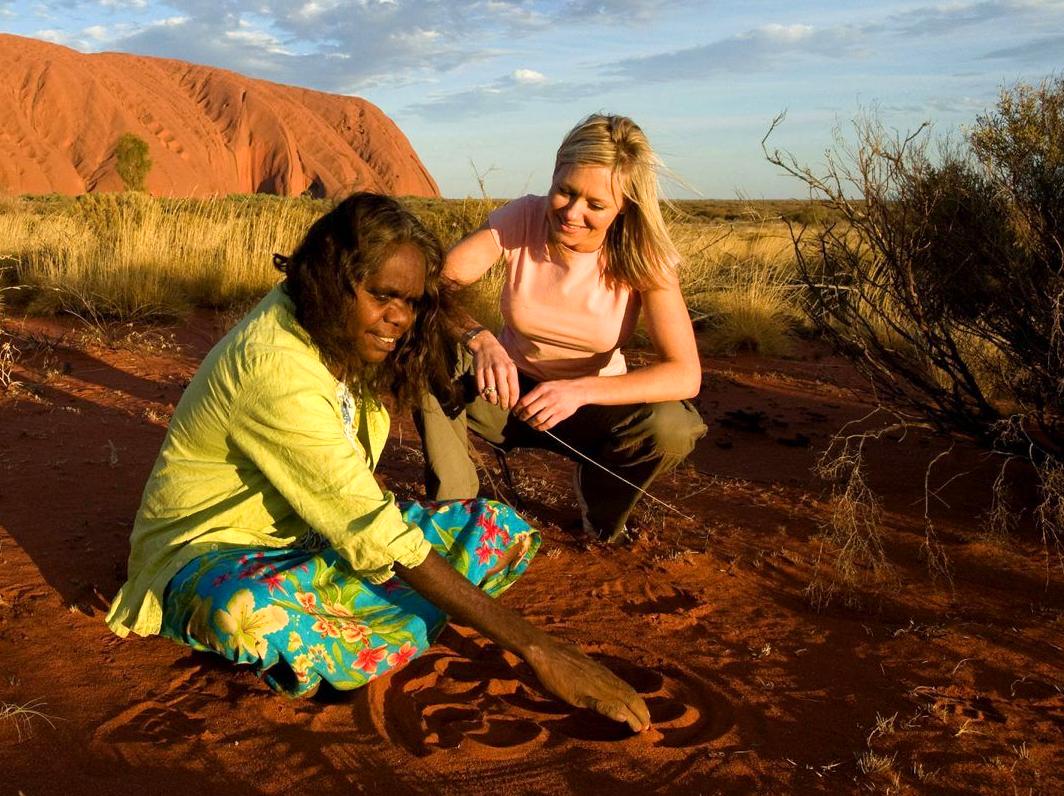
x,y
739,282
22,717
132,257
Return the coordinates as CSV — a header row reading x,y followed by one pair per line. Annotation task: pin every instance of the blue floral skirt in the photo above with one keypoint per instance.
x,y
300,616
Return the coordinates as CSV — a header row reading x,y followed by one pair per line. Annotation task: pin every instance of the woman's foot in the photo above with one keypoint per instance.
x,y
591,531
620,536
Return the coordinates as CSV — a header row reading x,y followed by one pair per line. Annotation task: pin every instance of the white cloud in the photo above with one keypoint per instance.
x,y
945,19
787,33
504,95
528,76
516,15
348,44
316,8
1045,49
326,44
619,12
415,38
937,107
774,46
94,38
54,36
755,50
259,39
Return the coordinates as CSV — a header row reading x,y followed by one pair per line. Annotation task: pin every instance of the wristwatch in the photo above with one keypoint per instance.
x,y
467,338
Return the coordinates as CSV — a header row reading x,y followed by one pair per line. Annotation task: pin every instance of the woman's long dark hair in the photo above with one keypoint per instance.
x,y
340,250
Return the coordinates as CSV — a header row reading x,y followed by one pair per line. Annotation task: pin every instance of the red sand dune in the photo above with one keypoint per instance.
x,y
209,131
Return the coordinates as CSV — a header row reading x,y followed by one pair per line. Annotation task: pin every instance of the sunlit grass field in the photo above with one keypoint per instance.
x,y
131,257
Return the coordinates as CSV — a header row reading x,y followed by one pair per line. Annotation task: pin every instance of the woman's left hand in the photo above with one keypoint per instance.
x,y
550,402
568,673
562,668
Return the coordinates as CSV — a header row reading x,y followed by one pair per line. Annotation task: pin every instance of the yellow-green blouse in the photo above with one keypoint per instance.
x,y
258,453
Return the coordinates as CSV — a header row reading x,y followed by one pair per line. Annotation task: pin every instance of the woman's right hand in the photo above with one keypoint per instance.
x,y
571,675
495,372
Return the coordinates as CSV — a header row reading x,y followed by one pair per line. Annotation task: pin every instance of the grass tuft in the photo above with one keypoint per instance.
x,y
23,716
739,283
9,355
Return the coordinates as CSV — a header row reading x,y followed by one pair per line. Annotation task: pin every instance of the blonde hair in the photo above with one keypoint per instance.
x,y
639,251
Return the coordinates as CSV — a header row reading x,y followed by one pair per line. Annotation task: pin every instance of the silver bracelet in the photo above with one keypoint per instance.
x,y
467,338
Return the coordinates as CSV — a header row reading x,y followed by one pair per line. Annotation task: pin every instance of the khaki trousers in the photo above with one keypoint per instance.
x,y
635,441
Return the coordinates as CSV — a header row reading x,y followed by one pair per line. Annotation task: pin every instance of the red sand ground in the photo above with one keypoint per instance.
x,y
750,689
209,131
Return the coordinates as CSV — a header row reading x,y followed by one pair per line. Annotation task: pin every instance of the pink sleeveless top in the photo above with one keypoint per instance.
x,y
561,319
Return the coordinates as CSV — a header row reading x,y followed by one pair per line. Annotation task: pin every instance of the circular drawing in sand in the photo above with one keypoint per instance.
x,y
484,699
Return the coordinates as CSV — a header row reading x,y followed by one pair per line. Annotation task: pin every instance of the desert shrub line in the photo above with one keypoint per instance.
x,y
943,281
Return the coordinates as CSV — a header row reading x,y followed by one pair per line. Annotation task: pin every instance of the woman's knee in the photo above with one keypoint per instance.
x,y
673,428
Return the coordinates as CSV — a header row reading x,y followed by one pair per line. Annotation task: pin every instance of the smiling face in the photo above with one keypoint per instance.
x,y
583,202
385,304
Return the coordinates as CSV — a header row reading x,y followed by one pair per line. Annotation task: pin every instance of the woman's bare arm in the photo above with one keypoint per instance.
x,y
471,257
563,669
469,260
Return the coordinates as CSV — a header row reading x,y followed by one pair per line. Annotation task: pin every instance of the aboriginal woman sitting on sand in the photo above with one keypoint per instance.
x,y
263,535
581,263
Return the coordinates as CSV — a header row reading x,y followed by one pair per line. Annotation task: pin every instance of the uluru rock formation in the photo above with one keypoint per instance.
x,y
209,131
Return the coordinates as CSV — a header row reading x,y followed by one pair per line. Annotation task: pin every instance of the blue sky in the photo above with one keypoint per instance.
x,y
498,82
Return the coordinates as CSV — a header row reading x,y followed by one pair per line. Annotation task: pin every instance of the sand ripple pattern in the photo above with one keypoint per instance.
x,y
483,700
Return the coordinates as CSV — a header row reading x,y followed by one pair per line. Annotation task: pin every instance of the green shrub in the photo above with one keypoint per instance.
x,y
944,282
949,247
132,161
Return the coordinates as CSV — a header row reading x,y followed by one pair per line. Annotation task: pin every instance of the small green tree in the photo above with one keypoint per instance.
x,y
132,161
